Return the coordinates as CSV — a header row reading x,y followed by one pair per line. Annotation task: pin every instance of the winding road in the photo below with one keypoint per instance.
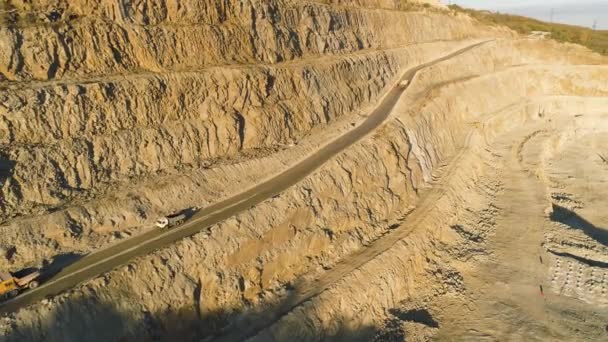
x,y
105,260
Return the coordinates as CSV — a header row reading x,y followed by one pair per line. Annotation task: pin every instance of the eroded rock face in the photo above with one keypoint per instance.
x,y
150,36
112,113
141,97
148,88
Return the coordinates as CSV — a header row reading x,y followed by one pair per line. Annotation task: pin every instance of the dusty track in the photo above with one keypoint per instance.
x,y
119,254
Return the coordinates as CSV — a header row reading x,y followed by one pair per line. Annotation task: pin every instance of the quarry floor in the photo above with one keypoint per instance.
x,y
524,290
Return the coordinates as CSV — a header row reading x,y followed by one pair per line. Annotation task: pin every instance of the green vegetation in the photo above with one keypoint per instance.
x,y
595,40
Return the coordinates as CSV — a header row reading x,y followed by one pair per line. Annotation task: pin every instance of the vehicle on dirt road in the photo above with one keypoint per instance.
x,y
404,84
12,284
170,221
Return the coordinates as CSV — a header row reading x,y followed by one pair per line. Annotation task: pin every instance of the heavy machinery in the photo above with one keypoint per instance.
x,y
12,284
170,221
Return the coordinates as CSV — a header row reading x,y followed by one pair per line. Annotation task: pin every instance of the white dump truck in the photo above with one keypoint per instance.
x,y
170,221
404,84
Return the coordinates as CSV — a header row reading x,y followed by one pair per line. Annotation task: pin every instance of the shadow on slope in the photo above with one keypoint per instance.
x,y
89,317
58,263
6,168
574,221
6,172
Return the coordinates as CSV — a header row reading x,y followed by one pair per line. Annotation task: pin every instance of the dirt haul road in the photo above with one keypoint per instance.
x,y
105,260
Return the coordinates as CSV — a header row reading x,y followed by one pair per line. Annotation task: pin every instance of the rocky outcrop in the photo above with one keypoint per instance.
x,y
98,96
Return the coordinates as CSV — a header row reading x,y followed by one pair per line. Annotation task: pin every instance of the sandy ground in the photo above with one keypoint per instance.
x,y
525,291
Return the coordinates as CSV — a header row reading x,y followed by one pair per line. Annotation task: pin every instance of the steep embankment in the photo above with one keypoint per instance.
x,y
372,243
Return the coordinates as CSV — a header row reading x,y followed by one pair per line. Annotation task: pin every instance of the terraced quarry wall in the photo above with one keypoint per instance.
x,y
125,107
200,106
362,240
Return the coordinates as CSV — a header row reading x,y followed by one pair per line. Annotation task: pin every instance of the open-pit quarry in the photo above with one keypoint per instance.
x,y
351,170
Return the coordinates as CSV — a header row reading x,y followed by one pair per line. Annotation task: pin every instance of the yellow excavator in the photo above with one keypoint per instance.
x,y
12,284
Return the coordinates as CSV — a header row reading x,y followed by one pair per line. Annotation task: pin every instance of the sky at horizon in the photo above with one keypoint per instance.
x,y
488,4
575,12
